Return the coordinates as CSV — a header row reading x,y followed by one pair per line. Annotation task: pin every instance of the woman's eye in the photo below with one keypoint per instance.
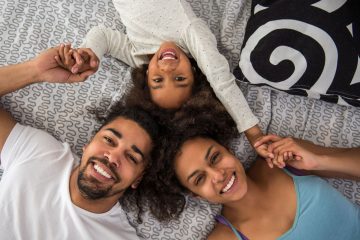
x,y
214,158
180,78
199,180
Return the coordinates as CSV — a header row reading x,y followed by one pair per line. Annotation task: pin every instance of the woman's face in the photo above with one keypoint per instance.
x,y
210,171
170,77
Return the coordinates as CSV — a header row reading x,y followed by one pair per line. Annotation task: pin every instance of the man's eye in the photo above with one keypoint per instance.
x,y
108,140
132,158
180,78
199,179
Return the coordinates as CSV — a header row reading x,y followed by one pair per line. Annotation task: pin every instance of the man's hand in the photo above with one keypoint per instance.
x,y
49,70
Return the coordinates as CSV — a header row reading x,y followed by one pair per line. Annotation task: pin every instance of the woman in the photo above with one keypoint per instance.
x,y
161,38
262,203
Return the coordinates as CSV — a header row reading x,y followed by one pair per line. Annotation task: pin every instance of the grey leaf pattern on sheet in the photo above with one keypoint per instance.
x,y
28,27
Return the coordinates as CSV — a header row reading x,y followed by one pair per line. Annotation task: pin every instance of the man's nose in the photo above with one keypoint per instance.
x,y
113,158
218,175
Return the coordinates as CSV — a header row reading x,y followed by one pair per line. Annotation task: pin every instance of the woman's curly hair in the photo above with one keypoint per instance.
x,y
201,116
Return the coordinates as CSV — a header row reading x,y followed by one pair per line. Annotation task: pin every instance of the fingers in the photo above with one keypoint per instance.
x,y
269,162
267,138
81,76
91,57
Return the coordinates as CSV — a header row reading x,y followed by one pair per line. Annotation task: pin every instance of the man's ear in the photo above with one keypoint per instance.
x,y
84,147
136,182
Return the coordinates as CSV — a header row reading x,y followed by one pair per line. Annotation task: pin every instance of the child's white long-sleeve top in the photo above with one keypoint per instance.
x,y
151,22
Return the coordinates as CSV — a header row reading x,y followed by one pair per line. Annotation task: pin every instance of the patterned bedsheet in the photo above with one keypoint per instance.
x,y
29,26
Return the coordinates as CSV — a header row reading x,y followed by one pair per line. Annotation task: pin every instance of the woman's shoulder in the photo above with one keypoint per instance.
x,y
261,172
221,232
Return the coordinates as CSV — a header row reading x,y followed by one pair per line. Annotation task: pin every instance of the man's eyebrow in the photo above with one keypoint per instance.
x,y
137,150
206,157
115,132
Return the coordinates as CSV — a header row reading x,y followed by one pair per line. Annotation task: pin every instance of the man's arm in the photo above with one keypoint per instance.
x,y
43,68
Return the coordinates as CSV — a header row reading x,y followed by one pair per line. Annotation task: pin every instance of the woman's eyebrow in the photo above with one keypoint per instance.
x,y
205,158
208,152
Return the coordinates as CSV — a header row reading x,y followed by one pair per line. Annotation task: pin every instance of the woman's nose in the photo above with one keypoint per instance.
x,y
218,175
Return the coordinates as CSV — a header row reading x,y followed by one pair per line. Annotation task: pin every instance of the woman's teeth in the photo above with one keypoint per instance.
x,y
229,185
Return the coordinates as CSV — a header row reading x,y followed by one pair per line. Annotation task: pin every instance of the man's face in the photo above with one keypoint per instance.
x,y
114,159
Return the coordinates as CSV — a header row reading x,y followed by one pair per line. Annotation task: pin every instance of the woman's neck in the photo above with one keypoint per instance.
x,y
253,201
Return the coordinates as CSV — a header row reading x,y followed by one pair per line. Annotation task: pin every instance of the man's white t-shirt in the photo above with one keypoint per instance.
x,y
35,200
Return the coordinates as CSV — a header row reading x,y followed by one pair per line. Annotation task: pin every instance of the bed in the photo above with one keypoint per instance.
x,y
324,109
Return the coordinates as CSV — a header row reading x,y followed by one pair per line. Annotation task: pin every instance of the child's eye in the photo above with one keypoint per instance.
x,y
180,78
157,80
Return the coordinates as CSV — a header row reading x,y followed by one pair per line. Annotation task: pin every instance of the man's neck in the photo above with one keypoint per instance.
x,y
96,206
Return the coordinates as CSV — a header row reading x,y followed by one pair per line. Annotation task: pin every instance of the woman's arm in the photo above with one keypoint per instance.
x,y
319,160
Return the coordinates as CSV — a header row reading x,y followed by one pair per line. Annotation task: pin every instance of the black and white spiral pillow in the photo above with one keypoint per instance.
x,y
304,47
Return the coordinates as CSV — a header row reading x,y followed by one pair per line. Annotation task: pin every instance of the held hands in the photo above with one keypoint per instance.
x,y
48,68
82,60
297,153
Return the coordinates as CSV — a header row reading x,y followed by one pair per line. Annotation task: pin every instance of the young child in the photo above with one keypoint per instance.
x,y
163,35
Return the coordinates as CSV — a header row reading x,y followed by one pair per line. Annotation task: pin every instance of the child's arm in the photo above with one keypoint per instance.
x,y
203,47
319,160
102,40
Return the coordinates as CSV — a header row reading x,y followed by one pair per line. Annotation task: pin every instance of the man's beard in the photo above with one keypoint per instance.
x,y
89,187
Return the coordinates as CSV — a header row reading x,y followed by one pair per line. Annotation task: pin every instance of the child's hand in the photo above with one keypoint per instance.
x,y
254,135
65,57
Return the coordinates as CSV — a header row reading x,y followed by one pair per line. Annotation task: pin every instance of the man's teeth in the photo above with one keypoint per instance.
x,y
229,185
101,171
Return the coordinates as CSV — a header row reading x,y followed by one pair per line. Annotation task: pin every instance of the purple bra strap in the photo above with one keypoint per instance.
x,y
221,219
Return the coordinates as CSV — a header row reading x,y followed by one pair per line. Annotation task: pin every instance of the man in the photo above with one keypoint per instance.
x,y
43,193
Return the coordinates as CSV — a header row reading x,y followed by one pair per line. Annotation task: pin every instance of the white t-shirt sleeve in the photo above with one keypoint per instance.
x,y
202,45
23,143
104,40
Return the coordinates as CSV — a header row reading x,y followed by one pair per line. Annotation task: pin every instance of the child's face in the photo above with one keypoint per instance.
x,y
170,77
210,171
